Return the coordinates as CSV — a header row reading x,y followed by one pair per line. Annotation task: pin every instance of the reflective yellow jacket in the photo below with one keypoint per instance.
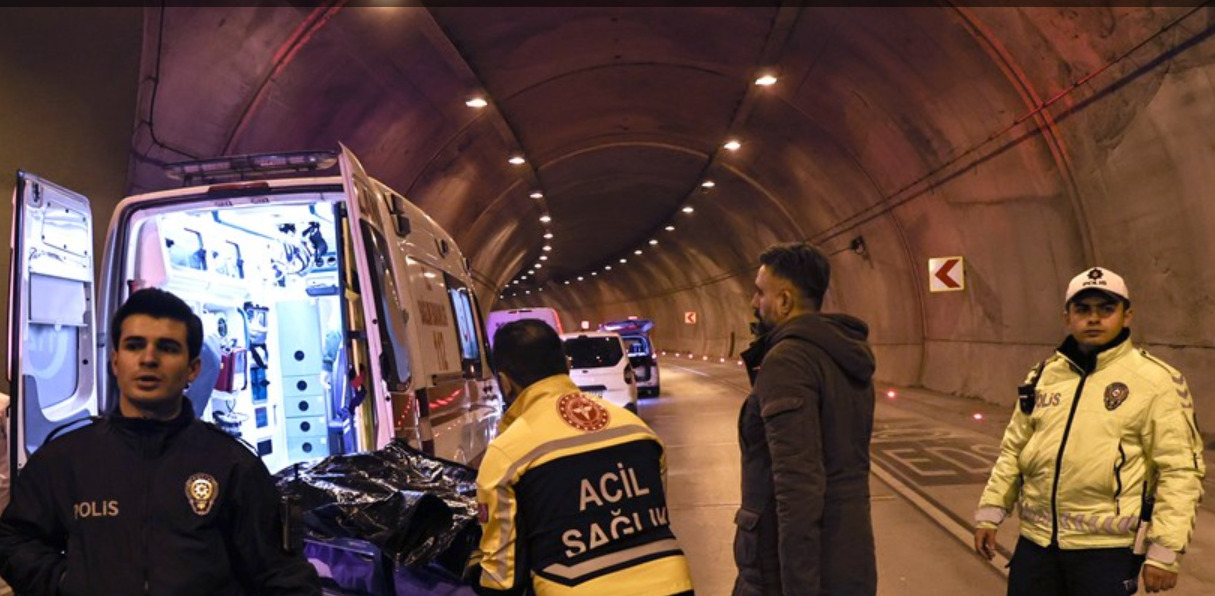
x,y
573,501
1079,465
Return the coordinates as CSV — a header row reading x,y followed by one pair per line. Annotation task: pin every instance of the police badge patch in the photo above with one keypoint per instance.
x,y
201,491
583,412
1115,394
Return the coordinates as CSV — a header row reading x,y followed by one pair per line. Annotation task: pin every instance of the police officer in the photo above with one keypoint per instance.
x,y
1102,429
149,500
571,492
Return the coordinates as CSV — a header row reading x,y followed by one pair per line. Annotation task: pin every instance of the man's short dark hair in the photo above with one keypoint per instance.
x,y
807,267
529,350
159,304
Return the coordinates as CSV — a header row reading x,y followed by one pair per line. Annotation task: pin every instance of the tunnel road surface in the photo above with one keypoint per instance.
x,y
931,456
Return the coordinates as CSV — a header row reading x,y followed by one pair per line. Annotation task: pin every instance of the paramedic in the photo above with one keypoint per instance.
x,y
572,491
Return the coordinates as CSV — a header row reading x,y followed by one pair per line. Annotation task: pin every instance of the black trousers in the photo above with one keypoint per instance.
x,y
1051,571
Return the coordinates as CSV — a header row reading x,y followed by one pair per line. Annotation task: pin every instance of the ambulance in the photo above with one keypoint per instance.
x,y
337,314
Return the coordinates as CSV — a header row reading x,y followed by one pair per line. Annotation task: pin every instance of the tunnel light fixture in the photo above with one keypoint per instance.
x,y
579,278
732,145
688,209
567,282
529,292
766,80
545,218
543,257
476,102
538,266
548,235
891,394
624,260
530,272
516,160
607,267
537,195
653,242
637,252
546,248
594,273
978,416
670,228
708,184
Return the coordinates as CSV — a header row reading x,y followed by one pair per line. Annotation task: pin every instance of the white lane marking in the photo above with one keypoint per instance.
x,y
695,372
999,563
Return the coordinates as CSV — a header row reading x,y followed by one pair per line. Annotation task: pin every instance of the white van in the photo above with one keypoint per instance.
x,y
498,318
598,366
337,315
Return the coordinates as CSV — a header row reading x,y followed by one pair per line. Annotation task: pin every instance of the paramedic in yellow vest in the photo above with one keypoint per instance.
x,y
571,491
1102,458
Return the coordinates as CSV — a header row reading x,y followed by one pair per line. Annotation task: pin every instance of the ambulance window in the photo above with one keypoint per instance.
x,y
395,359
58,310
466,324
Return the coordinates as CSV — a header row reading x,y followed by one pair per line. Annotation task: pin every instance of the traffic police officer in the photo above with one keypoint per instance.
x,y
1102,429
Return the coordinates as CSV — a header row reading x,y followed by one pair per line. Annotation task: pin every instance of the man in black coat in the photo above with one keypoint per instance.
x,y
149,500
804,527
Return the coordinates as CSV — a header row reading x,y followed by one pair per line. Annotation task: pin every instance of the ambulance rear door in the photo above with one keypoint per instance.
x,y
52,349
372,241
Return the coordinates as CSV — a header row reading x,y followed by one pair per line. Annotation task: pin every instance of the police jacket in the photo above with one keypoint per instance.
x,y
573,501
1106,428
132,506
804,527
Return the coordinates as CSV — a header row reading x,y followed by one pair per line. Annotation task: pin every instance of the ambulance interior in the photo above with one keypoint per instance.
x,y
265,281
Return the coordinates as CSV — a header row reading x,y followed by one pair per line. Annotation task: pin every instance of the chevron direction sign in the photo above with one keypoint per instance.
x,y
946,274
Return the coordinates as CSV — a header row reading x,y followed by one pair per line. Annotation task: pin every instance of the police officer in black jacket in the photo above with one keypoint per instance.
x,y
149,500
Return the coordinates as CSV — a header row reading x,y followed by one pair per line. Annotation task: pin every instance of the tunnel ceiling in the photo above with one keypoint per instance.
x,y
620,113
1028,139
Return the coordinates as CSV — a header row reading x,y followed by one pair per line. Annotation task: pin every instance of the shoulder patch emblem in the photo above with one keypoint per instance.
x,y
201,491
1115,394
583,412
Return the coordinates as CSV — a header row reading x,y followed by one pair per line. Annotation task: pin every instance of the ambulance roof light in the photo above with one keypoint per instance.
x,y
241,167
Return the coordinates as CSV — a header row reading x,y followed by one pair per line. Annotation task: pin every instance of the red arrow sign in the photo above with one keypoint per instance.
x,y
946,274
689,317
943,274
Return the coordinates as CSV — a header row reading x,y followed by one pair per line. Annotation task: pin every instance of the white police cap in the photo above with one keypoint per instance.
x,y
1097,278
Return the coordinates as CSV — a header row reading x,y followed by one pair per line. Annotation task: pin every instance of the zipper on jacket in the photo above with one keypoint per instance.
x,y
1054,493
143,527
1118,479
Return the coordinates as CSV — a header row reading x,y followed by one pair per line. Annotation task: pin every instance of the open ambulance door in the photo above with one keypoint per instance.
x,y
381,301
52,349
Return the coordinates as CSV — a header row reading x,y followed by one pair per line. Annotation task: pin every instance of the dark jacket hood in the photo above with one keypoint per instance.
x,y
842,337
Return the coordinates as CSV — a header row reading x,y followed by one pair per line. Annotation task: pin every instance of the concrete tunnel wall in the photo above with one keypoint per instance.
x,y
1116,173
934,132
